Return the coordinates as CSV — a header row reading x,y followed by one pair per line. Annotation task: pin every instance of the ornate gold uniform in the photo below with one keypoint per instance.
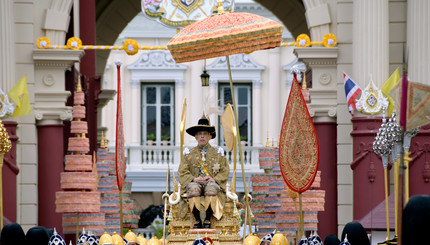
x,y
202,162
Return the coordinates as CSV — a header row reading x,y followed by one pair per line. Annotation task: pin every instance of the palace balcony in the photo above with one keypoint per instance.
x,y
147,166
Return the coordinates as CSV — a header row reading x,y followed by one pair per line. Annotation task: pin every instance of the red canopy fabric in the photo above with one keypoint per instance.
x,y
224,34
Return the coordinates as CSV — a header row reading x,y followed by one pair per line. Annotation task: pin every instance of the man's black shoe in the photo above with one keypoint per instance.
x,y
198,224
207,224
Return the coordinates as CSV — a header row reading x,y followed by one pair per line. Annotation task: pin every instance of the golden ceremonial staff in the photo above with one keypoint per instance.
x,y
382,147
409,134
166,198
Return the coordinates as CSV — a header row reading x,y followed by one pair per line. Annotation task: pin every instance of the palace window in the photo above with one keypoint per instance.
x,y
243,97
158,113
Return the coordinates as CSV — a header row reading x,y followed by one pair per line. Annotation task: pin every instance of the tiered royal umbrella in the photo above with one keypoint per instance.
x,y
224,34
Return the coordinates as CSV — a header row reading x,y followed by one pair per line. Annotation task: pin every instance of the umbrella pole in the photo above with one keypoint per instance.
x,y
244,226
165,198
301,217
396,199
238,138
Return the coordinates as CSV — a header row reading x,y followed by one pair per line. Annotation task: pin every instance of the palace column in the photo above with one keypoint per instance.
x,y
50,111
322,108
195,96
256,114
370,45
135,157
418,50
370,59
179,101
274,124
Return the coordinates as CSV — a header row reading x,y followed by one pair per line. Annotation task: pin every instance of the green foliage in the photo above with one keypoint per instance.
x,y
158,228
165,137
150,137
243,138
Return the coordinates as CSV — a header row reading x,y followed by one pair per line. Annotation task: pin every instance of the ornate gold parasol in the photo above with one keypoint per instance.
x,y
225,33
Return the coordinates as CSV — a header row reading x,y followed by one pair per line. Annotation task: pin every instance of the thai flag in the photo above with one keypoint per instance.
x,y
351,91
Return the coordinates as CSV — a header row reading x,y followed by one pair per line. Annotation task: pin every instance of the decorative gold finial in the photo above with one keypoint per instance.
x,y
304,85
79,86
220,8
102,141
267,140
273,142
5,144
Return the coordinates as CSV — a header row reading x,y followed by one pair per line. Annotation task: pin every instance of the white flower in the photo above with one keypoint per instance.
x,y
186,151
221,151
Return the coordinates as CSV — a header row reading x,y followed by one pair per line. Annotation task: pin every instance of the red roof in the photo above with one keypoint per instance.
x,y
376,219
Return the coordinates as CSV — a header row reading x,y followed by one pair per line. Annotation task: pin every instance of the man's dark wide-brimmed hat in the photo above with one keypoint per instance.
x,y
202,125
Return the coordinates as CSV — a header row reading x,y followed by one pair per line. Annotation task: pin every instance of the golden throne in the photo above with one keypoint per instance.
x,y
223,232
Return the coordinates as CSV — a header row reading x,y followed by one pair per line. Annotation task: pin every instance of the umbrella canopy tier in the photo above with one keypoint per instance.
x,y
225,34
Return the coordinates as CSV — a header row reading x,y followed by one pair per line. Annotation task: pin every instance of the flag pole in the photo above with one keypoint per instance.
x,y
387,214
400,192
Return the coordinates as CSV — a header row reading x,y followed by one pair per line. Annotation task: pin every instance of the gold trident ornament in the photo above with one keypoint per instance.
x,y
5,147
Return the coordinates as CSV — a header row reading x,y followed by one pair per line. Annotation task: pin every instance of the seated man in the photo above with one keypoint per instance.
x,y
204,172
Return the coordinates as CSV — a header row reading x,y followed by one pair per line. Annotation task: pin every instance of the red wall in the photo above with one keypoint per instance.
x,y
420,165
368,172
50,164
327,135
10,171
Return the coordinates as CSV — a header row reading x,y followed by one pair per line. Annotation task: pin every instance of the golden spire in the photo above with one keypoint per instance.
x,y
175,183
79,86
219,6
102,141
304,85
267,140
